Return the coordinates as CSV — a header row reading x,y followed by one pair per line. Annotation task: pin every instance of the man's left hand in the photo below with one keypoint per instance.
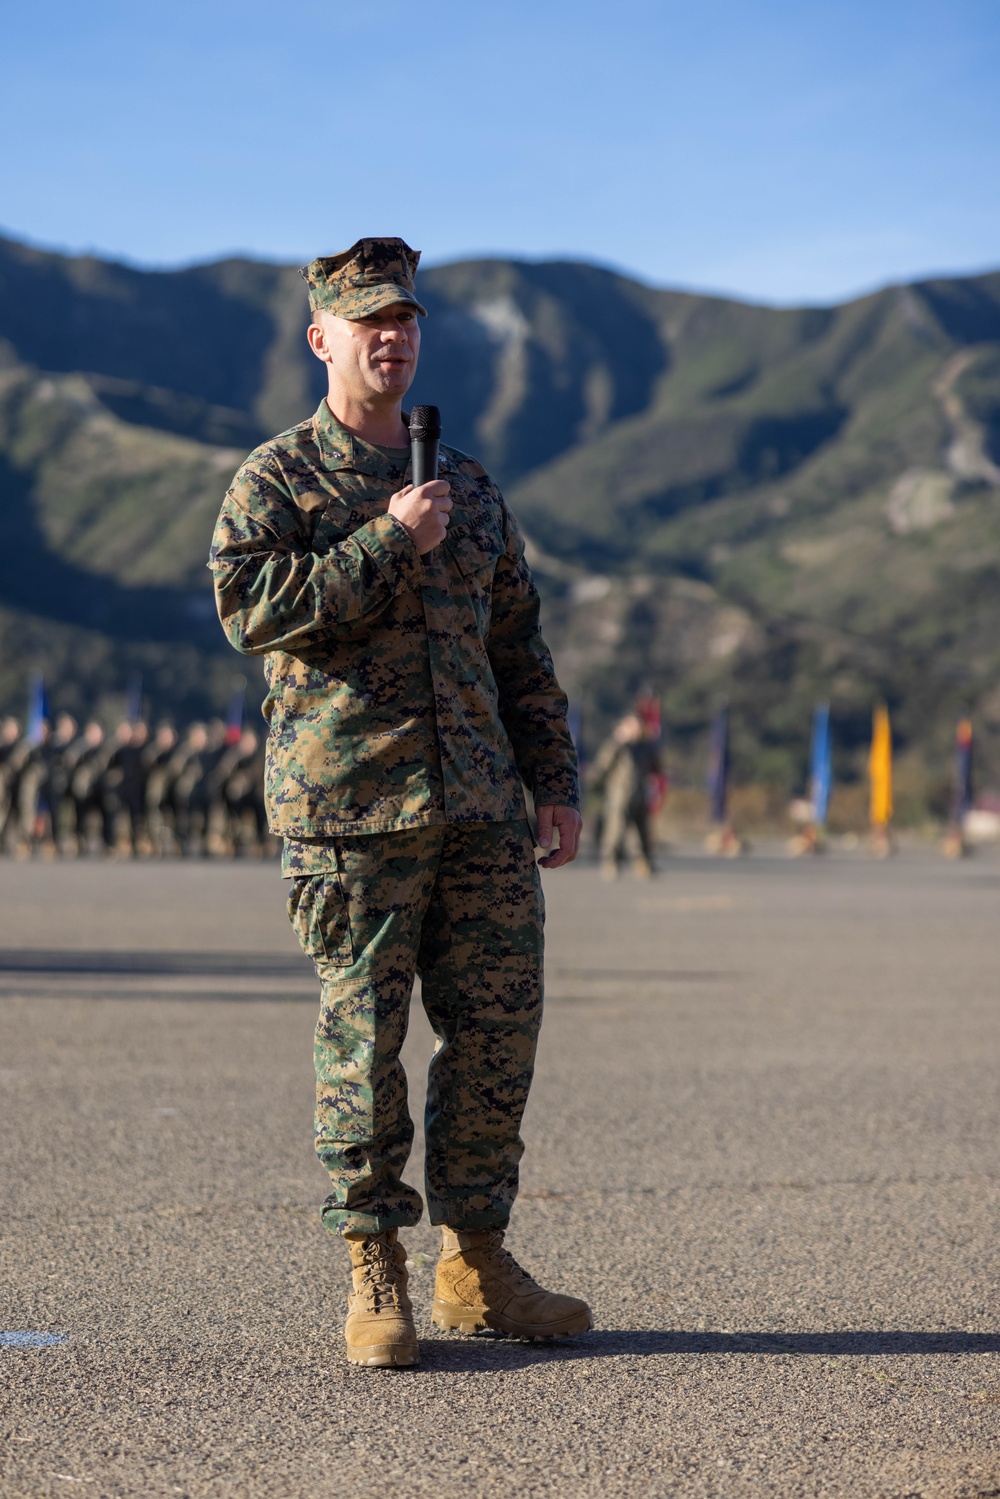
x,y
569,825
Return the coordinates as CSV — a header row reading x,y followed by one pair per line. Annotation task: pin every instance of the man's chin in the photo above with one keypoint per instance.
x,y
394,381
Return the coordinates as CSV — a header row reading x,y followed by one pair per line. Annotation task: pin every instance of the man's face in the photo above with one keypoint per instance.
x,y
374,356
630,730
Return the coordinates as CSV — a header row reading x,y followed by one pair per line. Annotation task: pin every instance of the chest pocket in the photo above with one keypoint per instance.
x,y
336,523
476,556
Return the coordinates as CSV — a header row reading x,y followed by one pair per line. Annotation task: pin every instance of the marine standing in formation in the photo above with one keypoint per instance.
x,y
411,694
128,794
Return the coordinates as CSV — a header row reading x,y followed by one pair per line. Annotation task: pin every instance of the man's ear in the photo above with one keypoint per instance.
x,y
316,338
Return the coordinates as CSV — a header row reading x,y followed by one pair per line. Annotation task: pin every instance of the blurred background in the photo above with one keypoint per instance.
x,y
713,292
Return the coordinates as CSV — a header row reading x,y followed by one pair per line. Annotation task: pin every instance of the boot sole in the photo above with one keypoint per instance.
x,y
463,1319
388,1356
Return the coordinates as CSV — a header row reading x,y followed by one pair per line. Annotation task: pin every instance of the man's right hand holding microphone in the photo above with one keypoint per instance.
x,y
424,513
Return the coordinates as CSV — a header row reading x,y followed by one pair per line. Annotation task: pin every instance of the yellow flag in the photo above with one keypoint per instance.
x,y
880,768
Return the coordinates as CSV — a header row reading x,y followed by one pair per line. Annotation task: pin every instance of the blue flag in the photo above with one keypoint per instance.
x,y
133,711
38,708
821,766
718,766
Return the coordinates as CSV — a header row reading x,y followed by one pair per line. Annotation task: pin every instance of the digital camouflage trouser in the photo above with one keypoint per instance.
x,y
460,905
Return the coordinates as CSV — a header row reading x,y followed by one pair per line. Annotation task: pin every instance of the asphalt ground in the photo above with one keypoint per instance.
x,y
762,1141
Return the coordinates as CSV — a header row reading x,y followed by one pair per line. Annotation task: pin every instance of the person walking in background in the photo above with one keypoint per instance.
x,y
410,694
625,765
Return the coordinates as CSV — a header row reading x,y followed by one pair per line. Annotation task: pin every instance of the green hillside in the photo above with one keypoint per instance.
x,y
725,501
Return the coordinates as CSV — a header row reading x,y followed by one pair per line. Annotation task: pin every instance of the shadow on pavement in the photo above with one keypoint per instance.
x,y
278,965
485,1352
197,964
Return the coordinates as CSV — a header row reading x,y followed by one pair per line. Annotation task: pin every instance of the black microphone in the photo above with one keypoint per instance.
x,y
425,438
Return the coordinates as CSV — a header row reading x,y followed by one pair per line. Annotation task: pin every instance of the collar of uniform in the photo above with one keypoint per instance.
x,y
341,449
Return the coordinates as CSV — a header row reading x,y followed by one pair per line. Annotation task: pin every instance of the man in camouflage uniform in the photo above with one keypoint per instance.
x,y
411,694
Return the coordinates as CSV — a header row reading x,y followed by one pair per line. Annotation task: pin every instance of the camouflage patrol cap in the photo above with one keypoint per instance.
x,y
373,273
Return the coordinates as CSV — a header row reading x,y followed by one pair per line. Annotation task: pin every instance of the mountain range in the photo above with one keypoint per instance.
x,y
724,501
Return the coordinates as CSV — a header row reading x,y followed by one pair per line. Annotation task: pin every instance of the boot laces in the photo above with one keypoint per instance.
x,y
381,1277
505,1262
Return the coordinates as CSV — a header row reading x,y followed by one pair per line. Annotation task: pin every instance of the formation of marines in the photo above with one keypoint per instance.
x,y
137,792
73,790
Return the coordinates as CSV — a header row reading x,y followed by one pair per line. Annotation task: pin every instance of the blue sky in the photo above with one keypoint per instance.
x,y
782,151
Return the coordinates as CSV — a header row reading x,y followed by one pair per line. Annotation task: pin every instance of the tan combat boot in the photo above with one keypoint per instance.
x,y
379,1329
480,1284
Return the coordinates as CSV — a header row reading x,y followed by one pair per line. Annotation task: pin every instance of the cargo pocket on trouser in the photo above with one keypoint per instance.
x,y
317,907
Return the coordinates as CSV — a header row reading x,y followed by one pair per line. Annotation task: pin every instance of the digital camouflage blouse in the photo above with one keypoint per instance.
x,y
404,690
